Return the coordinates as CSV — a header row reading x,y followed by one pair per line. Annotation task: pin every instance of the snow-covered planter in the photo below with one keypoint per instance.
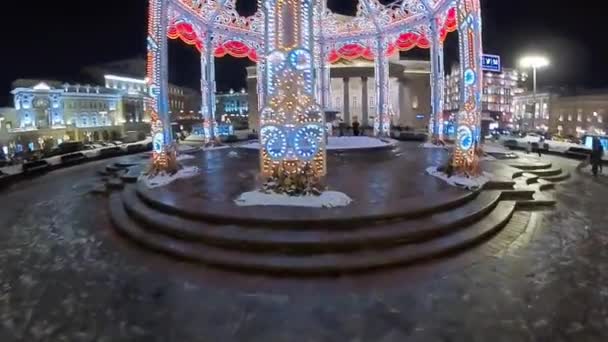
x,y
461,180
163,179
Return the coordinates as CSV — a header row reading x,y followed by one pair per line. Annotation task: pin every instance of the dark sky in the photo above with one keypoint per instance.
x,y
55,39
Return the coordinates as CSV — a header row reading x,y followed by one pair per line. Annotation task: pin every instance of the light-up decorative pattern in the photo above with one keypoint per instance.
x,y
294,40
469,118
292,124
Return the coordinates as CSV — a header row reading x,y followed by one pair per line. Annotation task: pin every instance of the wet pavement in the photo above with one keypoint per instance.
x,y
66,276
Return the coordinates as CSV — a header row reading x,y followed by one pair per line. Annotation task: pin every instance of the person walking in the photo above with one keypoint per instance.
x,y
356,126
597,152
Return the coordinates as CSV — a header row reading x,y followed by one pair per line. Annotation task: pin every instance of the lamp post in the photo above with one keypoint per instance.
x,y
534,62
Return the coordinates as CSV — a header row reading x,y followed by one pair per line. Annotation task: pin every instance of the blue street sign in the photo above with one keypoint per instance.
x,y
491,63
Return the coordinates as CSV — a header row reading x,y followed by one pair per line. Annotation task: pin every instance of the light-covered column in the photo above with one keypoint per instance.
x,y
158,78
383,106
469,116
437,82
208,87
324,79
260,85
364,102
346,99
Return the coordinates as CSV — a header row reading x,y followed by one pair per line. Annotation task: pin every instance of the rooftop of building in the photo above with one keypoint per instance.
x,y
22,85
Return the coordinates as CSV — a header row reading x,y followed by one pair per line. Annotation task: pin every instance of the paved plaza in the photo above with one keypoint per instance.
x,y
67,276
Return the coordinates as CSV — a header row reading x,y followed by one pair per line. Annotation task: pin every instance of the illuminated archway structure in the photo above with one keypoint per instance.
x,y
293,43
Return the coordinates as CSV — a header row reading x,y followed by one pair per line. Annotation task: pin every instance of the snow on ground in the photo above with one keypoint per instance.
x,y
183,157
554,145
431,145
187,148
343,143
12,170
213,148
164,179
233,154
495,148
327,199
588,170
461,181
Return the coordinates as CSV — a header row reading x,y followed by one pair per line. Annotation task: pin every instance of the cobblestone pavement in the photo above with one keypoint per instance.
x,y
65,276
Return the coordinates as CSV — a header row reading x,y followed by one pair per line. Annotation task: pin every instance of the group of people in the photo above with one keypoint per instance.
x,y
340,127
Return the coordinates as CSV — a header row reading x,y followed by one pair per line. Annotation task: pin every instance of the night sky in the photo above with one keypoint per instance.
x,y
55,39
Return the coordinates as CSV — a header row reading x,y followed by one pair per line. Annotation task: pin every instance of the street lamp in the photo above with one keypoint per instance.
x,y
534,62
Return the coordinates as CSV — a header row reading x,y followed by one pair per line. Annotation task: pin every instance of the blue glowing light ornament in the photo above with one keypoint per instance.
x,y
307,140
274,140
158,142
465,138
469,77
300,59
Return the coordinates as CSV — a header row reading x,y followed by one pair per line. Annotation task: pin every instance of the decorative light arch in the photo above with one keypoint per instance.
x,y
375,33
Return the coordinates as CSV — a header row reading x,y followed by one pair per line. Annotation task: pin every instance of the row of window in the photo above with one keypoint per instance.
x,y
579,117
139,87
86,105
175,104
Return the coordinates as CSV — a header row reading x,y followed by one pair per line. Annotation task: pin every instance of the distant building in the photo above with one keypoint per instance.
x,y
499,90
51,111
353,92
234,107
129,75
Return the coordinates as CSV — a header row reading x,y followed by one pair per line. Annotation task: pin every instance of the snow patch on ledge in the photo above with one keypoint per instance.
x,y
164,179
461,181
327,199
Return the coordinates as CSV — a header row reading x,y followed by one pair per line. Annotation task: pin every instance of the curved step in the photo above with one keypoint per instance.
x,y
532,166
228,213
559,178
530,178
312,239
546,173
330,263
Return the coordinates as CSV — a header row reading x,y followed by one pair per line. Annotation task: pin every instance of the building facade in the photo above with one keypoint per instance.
x,y
352,92
52,113
533,112
499,92
570,115
129,75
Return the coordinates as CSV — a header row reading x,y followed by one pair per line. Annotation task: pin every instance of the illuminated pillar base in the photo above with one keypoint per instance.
x,y
164,161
